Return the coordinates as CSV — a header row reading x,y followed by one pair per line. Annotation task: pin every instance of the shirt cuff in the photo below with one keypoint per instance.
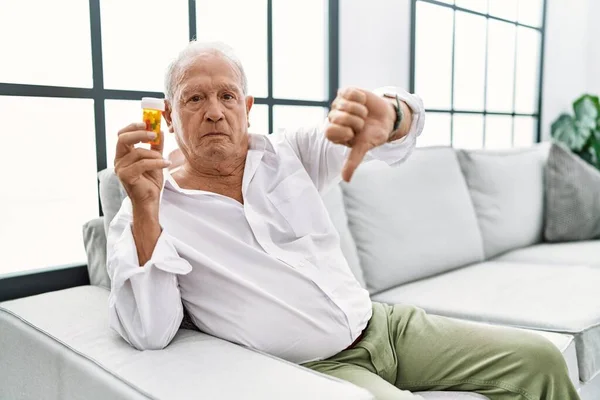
x,y
415,104
126,262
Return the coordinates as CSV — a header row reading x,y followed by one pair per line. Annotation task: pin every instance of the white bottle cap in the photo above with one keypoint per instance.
x,y
153,103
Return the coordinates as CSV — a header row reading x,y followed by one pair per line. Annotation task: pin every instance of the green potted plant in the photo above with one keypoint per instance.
x,y
581,132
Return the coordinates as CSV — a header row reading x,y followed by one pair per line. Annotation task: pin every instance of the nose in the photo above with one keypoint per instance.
x,y
214,113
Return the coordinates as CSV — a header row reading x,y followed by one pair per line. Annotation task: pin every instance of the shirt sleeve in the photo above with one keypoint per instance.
x,y
145,302
323,160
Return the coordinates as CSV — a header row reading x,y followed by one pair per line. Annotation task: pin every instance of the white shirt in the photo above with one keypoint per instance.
x,y
268,274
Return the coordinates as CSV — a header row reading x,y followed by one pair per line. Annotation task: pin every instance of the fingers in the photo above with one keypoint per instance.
x,y
135,133
136,155
347,116
127,140
135,126
344,118
339,134
349,106
357,153
353,94
132,172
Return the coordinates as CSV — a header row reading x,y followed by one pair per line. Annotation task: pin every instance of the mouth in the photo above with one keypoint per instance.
x,y
214,134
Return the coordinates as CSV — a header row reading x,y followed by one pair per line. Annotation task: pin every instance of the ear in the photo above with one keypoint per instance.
x,y
249,104
167,115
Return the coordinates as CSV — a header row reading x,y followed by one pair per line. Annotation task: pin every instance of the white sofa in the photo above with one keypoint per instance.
x,y
456,233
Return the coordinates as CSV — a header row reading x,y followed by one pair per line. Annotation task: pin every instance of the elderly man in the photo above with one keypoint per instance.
x,y
239,236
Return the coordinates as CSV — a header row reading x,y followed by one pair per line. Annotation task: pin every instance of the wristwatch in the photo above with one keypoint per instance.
x,y
399,112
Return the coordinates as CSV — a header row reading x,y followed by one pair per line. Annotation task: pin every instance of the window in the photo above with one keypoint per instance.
x,y
477,66
64,102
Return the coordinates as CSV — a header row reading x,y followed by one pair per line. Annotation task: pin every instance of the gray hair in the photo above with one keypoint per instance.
x,y
193,49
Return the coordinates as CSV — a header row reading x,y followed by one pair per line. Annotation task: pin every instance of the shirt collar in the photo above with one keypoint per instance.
x,y
260,143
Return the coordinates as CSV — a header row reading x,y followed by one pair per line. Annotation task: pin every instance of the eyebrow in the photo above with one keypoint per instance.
x,y
220,86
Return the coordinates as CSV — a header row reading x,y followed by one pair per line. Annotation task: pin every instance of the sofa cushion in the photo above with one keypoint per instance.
x,y
112,194
94,241
572,197
78,357
411,221
582,253
334,201
507,188
556,298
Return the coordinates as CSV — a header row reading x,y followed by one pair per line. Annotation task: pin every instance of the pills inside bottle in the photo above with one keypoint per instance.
x,y
152,114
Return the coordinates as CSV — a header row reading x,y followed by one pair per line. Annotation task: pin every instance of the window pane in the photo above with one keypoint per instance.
x,y
119,114
530,12
52,47
469,62
525,131
259,119
433,54
300,49
245,30
475,5
501,66
506,9
135,54
53,191
295,117
528,57
467,131
498,132
436,131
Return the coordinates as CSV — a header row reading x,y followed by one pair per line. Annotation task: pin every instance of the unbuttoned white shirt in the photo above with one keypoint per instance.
x,y
268,274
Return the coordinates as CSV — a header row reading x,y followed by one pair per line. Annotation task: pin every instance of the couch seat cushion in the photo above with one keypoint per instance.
x,y
582,253
556,298
57,344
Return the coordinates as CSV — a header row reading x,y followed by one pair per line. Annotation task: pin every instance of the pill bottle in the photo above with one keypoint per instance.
x,y
152,114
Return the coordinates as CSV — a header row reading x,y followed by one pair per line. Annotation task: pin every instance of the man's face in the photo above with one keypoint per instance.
x,y
209,112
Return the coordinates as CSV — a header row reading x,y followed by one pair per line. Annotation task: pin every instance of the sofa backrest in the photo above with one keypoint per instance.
x,y
94,241
412,221
112,195
507,190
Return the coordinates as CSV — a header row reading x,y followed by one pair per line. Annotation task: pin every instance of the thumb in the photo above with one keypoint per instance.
x,y
357,153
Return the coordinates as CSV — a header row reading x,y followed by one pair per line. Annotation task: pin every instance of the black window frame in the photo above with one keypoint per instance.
x,y
452,111
30,282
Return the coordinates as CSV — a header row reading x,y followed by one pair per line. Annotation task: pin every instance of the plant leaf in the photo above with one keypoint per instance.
x,y
587,156
596,146
566,131
587,110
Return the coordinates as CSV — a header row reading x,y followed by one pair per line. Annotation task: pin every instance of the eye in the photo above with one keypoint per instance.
x,y
228,96
195,99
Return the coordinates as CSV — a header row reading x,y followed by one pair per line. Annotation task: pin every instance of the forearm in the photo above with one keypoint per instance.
x,y
146,231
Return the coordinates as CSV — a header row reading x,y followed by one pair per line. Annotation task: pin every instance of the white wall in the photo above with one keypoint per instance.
x,y
374,43
375,49
566,61
593,29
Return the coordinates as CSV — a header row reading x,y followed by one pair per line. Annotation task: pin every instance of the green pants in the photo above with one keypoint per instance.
x,y
405,350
